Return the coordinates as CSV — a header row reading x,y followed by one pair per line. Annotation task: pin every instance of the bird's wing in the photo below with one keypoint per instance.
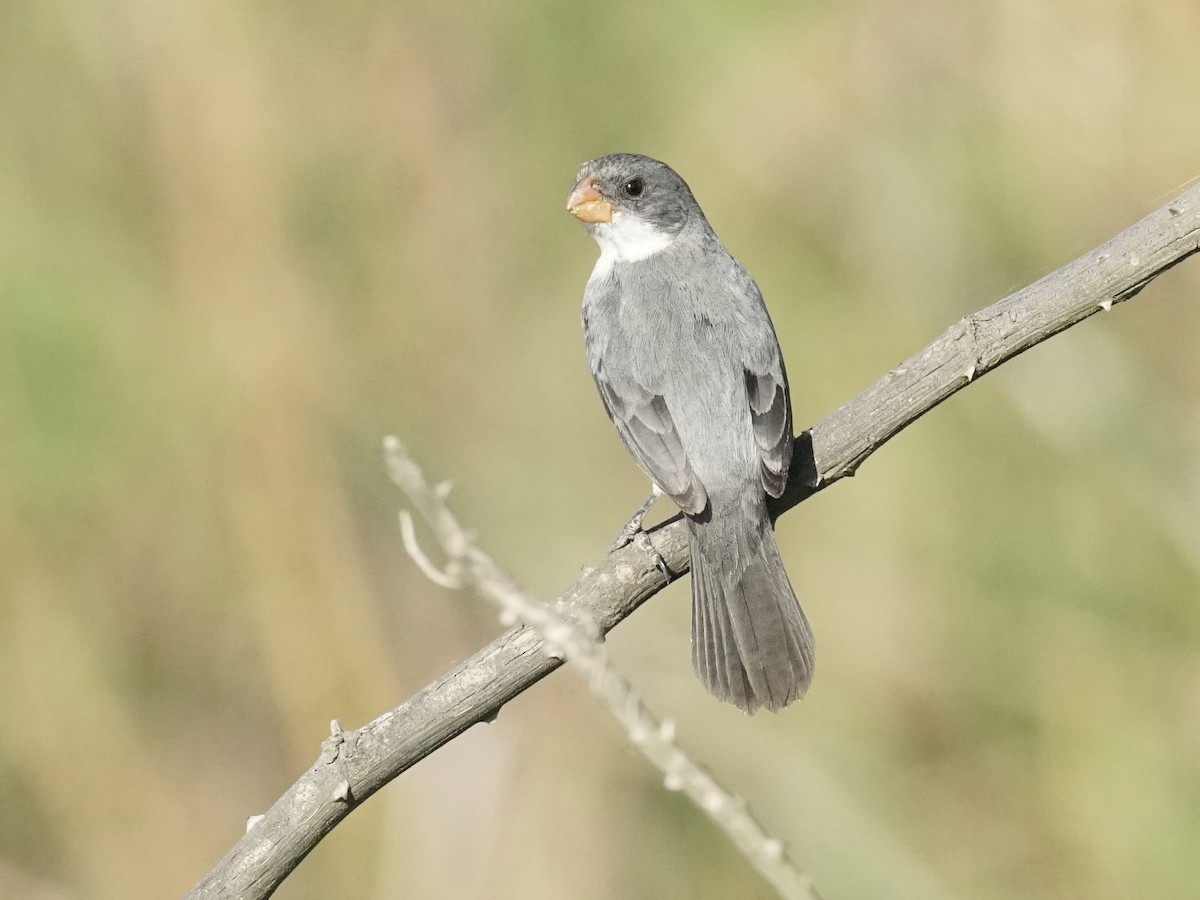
x,y
771,416
766,390
646,427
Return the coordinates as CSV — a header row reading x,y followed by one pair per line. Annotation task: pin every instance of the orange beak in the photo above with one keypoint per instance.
x,y
586,204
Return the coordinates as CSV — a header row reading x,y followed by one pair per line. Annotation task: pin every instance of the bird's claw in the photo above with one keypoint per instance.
x,y
641,540
631,530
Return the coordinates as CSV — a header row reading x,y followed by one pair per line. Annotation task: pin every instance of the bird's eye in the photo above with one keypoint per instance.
x,y
634,187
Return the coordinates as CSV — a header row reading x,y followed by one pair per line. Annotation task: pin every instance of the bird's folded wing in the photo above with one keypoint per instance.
x,y
646,427
771,415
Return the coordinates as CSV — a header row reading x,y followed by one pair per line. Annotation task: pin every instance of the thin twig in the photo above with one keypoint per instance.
x,y
476,689
580,642
408,534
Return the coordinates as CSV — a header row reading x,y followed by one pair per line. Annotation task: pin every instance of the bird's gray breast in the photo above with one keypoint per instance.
x,y
670,327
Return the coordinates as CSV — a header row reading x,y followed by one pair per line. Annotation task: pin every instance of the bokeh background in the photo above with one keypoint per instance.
x,y
241,242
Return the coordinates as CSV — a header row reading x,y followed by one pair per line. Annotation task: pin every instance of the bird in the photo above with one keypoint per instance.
x,y
688,366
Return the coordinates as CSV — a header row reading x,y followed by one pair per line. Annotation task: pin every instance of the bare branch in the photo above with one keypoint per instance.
x,y
474,690
581,643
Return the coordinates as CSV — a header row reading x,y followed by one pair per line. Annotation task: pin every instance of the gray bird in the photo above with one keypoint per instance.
x,y
688,366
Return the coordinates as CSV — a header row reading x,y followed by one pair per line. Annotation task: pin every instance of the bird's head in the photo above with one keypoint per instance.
x,y
633,206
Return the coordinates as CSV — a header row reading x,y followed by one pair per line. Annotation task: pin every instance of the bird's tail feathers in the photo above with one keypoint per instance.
x,y
751,645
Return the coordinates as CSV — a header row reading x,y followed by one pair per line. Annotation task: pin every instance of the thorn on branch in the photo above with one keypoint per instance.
x,y
331,747
341,793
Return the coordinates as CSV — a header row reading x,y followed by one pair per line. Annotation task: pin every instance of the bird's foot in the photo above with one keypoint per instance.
x,y
633,533
634,526
641,540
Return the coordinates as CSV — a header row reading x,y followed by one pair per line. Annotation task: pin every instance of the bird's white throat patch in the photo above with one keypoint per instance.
x,y
627,239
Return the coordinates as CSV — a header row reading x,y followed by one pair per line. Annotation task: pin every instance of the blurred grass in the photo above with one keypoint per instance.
x,y
241,242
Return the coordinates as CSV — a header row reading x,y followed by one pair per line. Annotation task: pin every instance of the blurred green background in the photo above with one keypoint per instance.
x,y
242,241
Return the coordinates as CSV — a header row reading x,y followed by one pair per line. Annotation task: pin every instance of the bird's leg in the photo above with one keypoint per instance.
x,y
634,526
635,534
